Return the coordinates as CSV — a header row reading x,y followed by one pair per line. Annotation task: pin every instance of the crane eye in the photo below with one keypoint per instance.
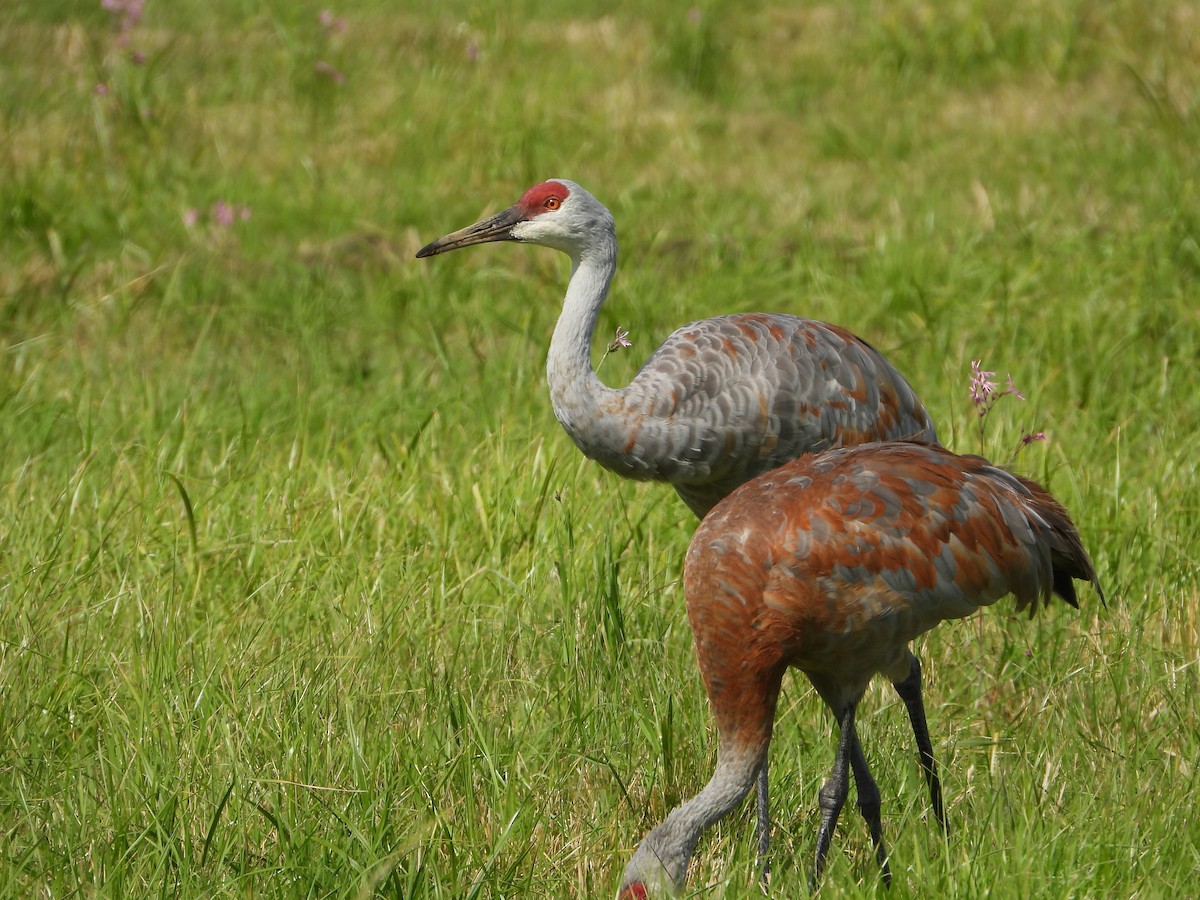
x,y
552,203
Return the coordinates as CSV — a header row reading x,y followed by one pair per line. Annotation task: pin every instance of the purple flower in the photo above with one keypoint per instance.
x,y
222,213
472,51
621,340
984,395
1026,440
101,89
328,71
330,23
129,10
130,13
982,386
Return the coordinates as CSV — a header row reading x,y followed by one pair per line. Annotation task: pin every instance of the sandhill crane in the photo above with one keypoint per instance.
x,y
832,564
721,401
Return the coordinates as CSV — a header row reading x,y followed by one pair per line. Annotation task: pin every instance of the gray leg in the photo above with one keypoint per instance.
x,y
833,792
869,805
910,692
764,827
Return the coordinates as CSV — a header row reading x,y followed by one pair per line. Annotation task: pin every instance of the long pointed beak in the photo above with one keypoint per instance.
x,y
497,228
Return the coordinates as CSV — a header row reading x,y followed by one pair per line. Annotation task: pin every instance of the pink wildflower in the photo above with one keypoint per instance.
x,y
222,214
329,71
129,13
621,340
330,23
984,395
982,387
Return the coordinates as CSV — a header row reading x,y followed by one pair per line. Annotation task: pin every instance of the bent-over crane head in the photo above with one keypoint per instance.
x,y
556,213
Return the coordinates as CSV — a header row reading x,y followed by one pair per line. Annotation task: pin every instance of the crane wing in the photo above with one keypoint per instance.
x,y
726,399
876,544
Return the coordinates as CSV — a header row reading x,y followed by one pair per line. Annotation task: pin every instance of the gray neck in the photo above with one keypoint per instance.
x,y
576,393
661,860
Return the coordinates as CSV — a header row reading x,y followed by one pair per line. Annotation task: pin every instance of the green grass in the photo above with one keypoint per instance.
x,y
304,593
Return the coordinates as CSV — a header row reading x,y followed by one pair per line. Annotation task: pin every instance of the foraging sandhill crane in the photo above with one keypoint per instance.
x,y
832,564
721,401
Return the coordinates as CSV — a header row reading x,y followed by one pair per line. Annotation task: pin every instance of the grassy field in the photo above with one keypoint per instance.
x,y
303,592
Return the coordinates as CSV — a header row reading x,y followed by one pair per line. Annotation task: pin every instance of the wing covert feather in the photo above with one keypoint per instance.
x,y
883,541
729,398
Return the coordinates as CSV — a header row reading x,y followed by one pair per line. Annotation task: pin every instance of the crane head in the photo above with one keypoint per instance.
x,y
556,213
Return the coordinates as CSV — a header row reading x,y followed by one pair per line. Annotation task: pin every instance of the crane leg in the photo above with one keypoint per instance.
x,y
764,827
910,692
869,805
834,791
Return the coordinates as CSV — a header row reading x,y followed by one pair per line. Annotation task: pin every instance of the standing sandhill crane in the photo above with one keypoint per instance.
x,y
833,564
721,401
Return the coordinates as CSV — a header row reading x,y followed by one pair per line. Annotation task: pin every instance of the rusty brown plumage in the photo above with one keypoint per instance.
x,y
832,564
